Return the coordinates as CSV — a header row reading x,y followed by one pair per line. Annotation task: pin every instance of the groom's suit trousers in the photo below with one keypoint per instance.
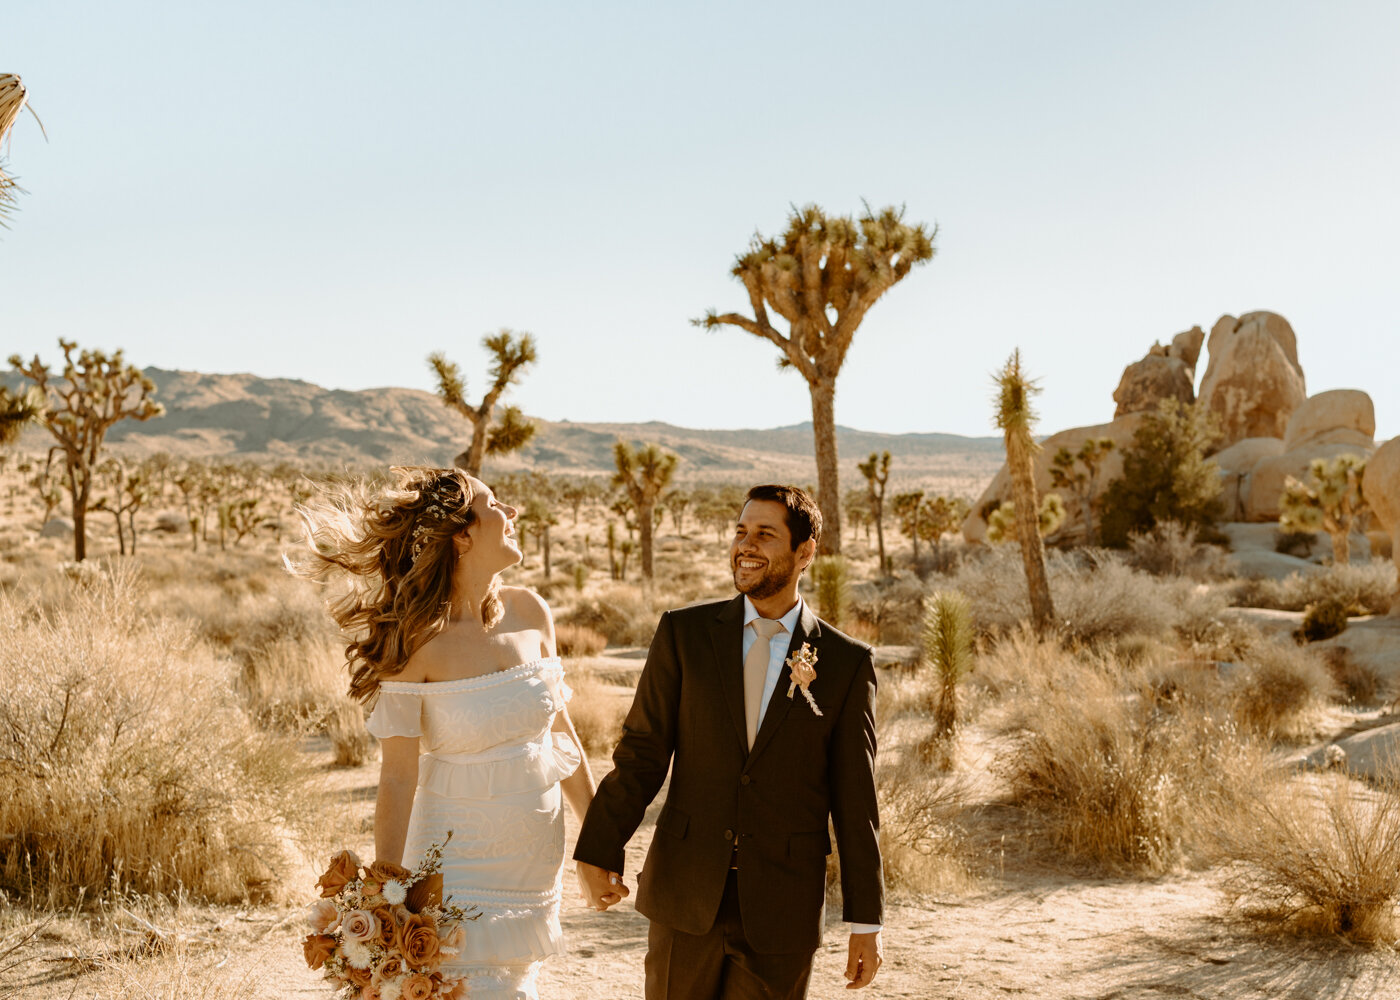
x,y
773,802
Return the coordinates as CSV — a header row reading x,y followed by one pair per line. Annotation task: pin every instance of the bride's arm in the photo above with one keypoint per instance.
x,y
398,780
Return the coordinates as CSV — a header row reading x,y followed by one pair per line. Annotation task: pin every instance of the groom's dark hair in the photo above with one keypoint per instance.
x,y
804,517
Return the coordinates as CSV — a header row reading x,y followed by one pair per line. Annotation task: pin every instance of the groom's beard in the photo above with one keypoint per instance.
x,y
775,577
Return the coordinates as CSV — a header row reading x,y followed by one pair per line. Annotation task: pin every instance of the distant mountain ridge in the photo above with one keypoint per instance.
x,y
245,416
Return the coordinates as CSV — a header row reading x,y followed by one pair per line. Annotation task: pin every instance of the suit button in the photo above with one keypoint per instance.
x,y
728,834
745,780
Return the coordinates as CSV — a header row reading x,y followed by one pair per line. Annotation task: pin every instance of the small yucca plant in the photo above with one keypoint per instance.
x,y
947,647
831,581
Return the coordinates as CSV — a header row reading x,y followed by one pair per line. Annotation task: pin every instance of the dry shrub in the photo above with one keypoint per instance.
x,y
1357,683
923,832
621,612
351,743
1116,776
597,714
1278,690
1174,549
1320,858
1365,588
893,609
579,640
1098,598
126,762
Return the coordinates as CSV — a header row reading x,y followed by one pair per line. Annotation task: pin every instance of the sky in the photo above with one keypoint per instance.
x,y
333,191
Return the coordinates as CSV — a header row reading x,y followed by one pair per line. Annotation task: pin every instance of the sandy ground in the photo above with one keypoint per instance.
x,y
1017,934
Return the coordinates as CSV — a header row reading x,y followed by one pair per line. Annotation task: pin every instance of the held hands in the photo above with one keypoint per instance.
x,y
599,887
863,960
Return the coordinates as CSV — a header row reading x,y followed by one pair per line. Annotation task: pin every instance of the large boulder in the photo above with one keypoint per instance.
x,y
1156,377
1381,488
1338,416
57,527
1253,382
1237,464
974,528
1267,478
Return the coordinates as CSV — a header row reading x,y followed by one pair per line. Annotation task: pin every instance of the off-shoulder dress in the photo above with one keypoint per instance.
x,y
489,768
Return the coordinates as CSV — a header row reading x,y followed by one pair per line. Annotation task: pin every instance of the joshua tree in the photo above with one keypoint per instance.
x,y
130,490
18,411
13,99
947,647
1078,474
97,390
856,503
821,277
1003,526
510,358
643,472
676,502
612,551
189,480
939,516
1015,417
909,509
876,470
1330,501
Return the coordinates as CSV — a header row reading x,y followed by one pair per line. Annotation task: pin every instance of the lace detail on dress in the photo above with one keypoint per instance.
x,y
503,982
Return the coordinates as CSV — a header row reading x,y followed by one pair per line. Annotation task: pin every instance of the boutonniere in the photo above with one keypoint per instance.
x,y
803,667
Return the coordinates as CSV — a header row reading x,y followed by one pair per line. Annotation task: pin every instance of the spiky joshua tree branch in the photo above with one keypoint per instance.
x,y
510,358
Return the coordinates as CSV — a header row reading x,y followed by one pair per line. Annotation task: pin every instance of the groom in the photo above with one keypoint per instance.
x,y
735,881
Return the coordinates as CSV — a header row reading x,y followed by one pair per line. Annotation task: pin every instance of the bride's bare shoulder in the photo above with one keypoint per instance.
x,y
527,608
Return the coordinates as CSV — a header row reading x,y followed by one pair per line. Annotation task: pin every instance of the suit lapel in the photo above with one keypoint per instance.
x,y
808,630
727,634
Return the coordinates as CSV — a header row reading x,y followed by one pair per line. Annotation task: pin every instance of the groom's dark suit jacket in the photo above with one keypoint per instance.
x,y
688,715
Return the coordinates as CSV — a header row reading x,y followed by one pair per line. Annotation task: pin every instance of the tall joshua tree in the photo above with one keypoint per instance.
x,y
1015,417
1330,500
96,390
821,277
509,359
876,470
644,472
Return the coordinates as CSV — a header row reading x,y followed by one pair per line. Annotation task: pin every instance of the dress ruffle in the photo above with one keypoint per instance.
x,y
507,934
505,771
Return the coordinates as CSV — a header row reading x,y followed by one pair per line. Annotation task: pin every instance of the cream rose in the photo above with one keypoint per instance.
x,y
360,926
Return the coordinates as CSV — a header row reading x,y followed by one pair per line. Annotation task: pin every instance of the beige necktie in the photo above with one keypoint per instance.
x,y
756,671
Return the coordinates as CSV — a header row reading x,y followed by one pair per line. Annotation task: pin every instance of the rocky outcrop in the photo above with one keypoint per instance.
x,y
974,528
1381,488
1236,463
1253,382
1338,416
1164,373
1266,479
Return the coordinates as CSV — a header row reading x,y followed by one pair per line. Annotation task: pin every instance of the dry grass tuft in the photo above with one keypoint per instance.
x,y
1278,690
1321,857
597,714
623,613
1365,588
579,640
1115,774
124,726
923,828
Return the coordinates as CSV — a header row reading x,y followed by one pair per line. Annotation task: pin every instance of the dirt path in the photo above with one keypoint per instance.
x,y
1027,935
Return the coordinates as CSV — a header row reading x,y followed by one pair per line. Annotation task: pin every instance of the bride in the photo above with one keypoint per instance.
x,y
469,707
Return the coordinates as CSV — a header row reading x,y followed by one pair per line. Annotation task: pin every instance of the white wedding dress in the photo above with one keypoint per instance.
x,y
489,771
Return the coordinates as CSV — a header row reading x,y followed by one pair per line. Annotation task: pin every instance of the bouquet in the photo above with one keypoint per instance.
x,y
382,932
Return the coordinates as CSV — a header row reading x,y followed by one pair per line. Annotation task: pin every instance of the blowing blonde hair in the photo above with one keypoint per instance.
x,y
394,544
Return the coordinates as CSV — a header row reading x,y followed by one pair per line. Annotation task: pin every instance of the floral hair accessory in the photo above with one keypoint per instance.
x,y
440,495
803,667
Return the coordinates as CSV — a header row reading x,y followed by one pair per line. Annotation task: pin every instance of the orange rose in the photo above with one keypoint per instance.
x,y
358,977
317,948
416,987
427,891
383,871
390,968
387,925
345,867
417,939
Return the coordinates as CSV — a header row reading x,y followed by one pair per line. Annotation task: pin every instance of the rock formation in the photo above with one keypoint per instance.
x,y
1253,382
1164,373
1381,488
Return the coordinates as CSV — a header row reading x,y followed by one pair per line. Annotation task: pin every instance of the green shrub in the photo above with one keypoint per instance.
x,y
619,611
1166,476
831,586
1323,620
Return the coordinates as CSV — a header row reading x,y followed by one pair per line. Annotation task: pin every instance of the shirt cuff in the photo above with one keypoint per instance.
x,y
866,928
